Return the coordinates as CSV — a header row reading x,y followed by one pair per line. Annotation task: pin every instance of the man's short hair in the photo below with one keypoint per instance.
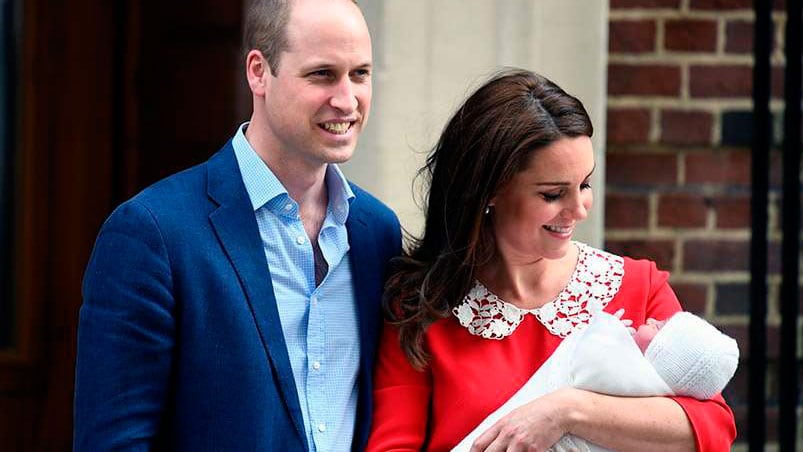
x,y
265,29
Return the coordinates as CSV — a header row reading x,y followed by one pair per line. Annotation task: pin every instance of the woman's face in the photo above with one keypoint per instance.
x,y
536,212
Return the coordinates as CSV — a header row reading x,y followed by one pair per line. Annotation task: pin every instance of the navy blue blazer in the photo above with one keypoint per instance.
x,y
179,341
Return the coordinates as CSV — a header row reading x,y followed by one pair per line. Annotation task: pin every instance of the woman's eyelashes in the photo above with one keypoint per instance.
x,y
552,196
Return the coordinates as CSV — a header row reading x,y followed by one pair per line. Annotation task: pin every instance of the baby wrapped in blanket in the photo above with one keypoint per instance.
x,y
683,356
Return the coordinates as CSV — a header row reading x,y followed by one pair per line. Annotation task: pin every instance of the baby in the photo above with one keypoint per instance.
x,y
683,355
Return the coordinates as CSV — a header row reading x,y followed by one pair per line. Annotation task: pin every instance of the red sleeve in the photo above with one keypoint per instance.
x,y
401,399
661,299
712,420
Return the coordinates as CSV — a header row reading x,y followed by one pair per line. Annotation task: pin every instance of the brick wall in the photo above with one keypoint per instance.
x,y
678,162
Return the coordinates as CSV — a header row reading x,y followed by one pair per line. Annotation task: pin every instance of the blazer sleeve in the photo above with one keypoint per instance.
x,y
125,335
401,399
712,420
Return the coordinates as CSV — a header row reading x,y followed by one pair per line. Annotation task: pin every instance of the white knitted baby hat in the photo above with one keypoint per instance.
x,y
694,358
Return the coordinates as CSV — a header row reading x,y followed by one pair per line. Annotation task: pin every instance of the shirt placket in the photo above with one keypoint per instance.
x,y
316,362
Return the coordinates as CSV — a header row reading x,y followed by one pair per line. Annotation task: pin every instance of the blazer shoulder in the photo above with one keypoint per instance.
x,y
176,189
175,202
372,209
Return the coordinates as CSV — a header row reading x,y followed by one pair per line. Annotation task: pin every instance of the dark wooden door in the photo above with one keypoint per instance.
x,y
113,96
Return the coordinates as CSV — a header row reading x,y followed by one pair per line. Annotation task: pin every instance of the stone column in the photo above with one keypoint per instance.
x,y
430,54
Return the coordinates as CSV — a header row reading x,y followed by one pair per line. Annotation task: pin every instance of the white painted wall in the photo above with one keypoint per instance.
x,y
430,54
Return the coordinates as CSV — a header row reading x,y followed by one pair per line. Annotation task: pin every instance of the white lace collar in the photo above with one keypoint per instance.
x,y
595,281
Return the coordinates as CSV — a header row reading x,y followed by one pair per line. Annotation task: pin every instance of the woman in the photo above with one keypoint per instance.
x,y
496,283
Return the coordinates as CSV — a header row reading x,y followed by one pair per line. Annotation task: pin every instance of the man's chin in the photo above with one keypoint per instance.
x,y
338,154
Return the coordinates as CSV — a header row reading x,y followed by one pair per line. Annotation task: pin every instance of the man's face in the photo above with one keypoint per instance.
x,y
318,102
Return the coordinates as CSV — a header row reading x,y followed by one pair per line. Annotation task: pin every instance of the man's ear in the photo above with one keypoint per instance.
x,y
257,71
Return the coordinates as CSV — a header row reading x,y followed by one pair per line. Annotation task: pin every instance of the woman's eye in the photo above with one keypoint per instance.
x,y
550,197
585,185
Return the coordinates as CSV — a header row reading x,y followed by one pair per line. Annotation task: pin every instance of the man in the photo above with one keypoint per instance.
x,y
235,305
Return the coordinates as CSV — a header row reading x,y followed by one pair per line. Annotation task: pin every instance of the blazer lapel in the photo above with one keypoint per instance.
x,y
366,278
366,273
236,228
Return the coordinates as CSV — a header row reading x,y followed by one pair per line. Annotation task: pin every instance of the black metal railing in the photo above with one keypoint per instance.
x,y
762,142
788,367
788,364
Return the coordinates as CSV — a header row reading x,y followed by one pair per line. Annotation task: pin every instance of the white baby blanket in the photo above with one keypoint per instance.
x,y
602,358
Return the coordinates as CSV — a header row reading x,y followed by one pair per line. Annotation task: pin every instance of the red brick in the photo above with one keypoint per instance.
x,y
628,126
736,391
641,169
732,299
625,211
774,257
742,336
742,419
682,210
721,81
686,127
721,4
739,37
739,412
660,251
692,296
722,167
772,418
644,80
715,255
674,4
776,170
732,211
689,35
778,81
631,36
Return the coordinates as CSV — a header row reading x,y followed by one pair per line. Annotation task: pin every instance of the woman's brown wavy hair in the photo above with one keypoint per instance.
x,y
489,139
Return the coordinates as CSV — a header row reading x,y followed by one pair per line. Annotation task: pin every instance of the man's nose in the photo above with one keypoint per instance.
x,y
343,97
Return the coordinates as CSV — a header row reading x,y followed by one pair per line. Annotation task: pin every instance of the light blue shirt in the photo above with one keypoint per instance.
x,y
320,324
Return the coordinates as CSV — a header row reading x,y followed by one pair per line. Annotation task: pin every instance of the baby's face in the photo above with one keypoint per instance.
x,y
646,332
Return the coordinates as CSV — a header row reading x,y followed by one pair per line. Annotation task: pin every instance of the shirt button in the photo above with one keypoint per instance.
x,y
300,239
288,207
321,427
316,365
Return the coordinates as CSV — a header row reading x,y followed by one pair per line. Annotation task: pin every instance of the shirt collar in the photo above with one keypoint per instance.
x,y
340,193
263,187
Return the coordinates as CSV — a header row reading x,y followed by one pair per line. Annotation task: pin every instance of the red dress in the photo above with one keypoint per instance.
x,y
469,376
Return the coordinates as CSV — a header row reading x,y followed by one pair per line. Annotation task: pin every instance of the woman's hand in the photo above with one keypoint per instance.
x,y
535,426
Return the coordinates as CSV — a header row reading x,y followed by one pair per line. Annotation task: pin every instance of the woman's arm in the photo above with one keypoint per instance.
x,y
401,399
630,423
619,423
